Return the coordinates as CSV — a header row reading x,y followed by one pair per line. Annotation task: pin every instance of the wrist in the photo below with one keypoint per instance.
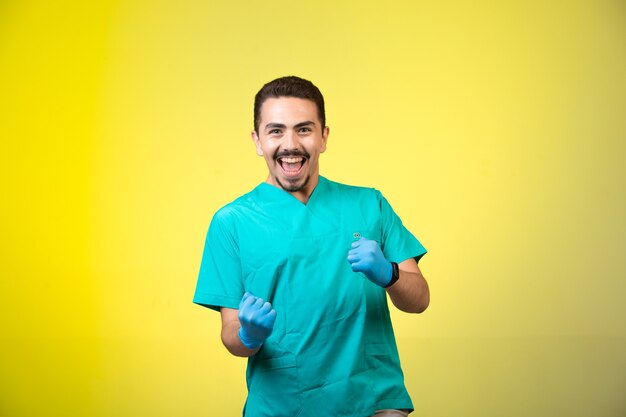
x,y
248,342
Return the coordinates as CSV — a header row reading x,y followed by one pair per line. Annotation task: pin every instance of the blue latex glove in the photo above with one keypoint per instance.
x,y
366,257
257,319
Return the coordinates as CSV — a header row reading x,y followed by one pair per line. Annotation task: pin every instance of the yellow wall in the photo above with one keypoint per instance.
x,y
496,129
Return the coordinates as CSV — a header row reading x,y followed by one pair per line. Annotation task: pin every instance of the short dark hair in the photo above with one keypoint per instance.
x,y
290,86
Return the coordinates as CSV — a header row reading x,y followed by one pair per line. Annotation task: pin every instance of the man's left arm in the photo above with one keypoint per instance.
x,y
410,293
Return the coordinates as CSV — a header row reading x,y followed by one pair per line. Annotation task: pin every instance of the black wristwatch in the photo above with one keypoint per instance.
x,y
395,274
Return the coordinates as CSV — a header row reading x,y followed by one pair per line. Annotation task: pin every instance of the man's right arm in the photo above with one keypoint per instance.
x,y
244,331
230,333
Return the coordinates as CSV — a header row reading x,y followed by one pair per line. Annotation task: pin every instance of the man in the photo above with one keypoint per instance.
x,y
300,268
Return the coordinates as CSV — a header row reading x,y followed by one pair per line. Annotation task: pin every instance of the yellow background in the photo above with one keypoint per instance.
x,y
497,130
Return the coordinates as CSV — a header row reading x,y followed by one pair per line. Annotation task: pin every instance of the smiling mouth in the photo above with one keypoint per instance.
x,y
291,165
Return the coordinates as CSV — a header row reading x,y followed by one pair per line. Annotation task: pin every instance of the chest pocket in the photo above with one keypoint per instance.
x,y
372,234
321,281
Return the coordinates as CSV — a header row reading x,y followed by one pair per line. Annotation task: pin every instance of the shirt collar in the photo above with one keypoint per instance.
x,y
271,193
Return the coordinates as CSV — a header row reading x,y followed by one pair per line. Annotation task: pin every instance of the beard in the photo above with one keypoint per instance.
x,y
293,187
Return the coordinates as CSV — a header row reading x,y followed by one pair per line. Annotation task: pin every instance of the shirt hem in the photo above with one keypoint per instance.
x,y
395,404
215,302
408,255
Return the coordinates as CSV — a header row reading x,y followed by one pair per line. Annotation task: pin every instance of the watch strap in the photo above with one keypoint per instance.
x,y
395,274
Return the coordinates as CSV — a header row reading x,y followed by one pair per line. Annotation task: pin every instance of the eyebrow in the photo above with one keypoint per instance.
x,y
282,126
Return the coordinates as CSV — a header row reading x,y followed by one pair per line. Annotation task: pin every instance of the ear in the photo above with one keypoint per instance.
x,y
325,132
257,143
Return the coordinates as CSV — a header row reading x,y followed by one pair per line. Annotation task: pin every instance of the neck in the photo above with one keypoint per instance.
x,y
304,194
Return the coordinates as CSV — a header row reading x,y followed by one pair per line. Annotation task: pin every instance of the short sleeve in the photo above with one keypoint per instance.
x,y
398,244
220,282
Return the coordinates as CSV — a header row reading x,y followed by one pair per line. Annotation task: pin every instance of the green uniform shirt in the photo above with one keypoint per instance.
x,y
332,351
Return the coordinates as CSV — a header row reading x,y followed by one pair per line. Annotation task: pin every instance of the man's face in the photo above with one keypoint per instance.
x,y
291,139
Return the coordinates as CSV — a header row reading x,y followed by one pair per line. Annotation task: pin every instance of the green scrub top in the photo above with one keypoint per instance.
x,y
332,351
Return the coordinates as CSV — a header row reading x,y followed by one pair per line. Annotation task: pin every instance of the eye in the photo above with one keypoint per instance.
x,y
274,132
305,129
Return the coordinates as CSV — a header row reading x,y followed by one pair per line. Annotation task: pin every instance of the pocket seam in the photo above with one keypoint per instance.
x,y
277,363
377,349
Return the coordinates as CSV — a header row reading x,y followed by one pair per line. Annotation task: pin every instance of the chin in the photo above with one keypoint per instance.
x,y
293,186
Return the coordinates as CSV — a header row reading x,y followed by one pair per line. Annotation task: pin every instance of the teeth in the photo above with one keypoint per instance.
x,y
291,160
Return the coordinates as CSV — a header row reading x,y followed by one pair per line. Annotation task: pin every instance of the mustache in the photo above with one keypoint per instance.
x,y
291,153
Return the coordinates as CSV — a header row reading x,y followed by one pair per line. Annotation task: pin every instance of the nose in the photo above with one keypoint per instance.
x,y
291,140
